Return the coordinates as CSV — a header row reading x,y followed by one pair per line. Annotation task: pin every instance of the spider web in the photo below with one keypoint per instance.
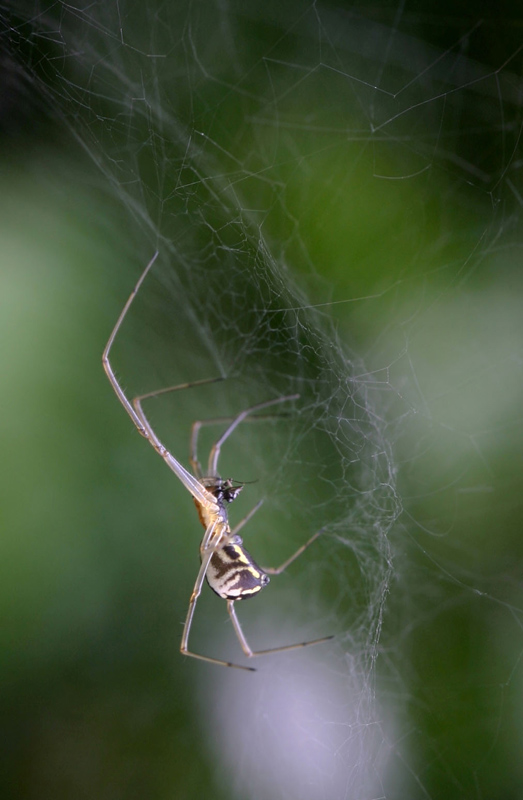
x,y
335,197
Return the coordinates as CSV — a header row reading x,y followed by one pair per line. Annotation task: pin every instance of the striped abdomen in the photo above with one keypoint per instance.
x,y
232,573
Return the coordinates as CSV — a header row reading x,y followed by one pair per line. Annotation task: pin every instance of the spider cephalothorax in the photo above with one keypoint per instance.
x,y
223,490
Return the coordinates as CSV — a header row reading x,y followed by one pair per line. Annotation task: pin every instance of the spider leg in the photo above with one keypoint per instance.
x,y
184,644
251,653
203,423
246,519
105,357
164,390
137,404
191,483
297,554
216,448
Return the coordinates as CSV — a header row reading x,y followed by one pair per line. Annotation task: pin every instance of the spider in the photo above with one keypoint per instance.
x,y
229,569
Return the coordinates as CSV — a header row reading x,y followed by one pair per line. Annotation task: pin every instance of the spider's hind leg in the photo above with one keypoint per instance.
x,y
273,571
252,653
184,644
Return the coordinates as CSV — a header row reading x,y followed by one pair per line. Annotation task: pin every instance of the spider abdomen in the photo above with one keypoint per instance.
x,y
233,574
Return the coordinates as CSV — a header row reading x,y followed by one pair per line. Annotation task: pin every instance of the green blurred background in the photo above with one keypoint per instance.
x,y
364,161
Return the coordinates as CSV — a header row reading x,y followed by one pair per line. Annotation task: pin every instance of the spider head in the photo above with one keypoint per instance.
x,y
228,491
225,491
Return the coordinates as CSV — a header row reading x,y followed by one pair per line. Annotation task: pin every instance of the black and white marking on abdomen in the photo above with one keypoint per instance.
x,y
233,574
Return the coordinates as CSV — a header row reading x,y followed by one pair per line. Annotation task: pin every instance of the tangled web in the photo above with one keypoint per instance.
x,y
270,152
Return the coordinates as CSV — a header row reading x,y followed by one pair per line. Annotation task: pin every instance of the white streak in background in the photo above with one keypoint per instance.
x,y
298,729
